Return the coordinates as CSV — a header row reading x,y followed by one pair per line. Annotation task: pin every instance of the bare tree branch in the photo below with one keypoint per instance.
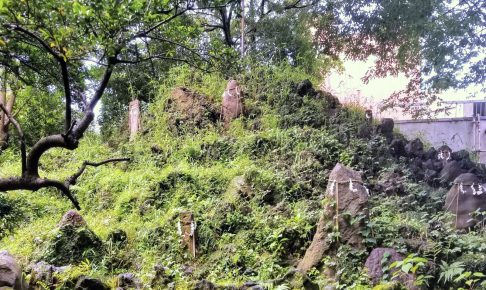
x,y
36,183
193,51
72,180
158,56
160,23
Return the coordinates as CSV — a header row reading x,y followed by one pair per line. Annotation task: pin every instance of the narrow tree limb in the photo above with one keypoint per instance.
x,y
44,144
160,23
63,188
21,137
158,56
69,141
72,180
191,50
44,44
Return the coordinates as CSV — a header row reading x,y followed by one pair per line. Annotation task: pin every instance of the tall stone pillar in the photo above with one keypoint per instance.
x,y
134,118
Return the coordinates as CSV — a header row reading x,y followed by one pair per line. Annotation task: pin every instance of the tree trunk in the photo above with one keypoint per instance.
x,y
3,118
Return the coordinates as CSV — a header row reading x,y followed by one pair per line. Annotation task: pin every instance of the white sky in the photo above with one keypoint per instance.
x,y
349,88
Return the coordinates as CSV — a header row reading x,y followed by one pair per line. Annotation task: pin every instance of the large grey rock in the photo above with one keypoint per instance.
x,y
72,243
204,285
186,107
465,197
397,147
349,200
391,183
239,188
10,273
380,258
161,277
386,128
415,148
297,279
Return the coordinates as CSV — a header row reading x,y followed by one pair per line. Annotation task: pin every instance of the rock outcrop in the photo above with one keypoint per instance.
x,y
88,283
128,281
43,273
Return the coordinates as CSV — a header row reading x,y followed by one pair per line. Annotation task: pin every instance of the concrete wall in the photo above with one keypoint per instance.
x,y
457,133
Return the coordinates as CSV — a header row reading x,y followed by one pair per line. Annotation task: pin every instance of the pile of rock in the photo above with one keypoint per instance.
x,y
438,167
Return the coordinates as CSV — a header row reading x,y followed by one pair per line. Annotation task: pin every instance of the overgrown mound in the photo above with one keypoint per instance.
x,y
254,188
188,107
73,242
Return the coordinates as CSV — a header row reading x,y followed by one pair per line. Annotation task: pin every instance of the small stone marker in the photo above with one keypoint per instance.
x,y
187,230
232,102
134,118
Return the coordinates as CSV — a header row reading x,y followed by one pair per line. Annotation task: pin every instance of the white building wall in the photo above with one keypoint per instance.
x,y
457,133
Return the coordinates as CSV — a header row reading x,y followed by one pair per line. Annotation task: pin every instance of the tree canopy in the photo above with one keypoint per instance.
x,y
74,46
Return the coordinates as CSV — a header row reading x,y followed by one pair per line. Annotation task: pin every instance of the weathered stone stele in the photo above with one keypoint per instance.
x,y
10,273
350,198
134,118
188,232
465,197
232,106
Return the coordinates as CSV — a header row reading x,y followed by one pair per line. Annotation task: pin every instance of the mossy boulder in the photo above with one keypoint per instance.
x,y
72,243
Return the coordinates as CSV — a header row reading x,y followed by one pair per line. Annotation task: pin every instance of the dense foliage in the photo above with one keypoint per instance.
x,y
255,185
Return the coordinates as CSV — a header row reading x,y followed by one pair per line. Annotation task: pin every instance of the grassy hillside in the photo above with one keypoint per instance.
x,y
255,188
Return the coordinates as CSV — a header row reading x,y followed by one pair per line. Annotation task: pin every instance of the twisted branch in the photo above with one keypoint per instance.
x,y
72,180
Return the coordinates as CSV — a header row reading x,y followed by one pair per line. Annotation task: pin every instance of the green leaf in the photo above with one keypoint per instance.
x,y
406,268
